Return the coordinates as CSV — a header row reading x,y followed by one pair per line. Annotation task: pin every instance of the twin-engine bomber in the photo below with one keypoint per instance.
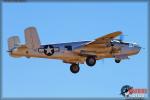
x,y
74,53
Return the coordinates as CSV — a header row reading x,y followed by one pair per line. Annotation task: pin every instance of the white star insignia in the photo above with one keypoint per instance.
x,y
49,50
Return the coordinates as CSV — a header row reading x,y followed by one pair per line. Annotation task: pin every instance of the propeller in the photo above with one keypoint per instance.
x,y
121,38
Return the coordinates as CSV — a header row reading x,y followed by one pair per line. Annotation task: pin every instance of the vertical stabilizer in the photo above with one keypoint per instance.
x,y
13,42
32,38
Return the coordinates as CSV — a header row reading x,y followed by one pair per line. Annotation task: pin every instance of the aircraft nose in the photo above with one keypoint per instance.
x,y
137,49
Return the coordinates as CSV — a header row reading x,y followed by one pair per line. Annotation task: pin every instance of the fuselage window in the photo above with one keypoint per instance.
x,y
68,47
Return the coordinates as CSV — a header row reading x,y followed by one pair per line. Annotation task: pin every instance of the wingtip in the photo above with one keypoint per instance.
x,y
120,32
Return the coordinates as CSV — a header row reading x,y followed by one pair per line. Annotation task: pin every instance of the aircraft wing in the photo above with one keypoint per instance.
x,y
101,41
106,38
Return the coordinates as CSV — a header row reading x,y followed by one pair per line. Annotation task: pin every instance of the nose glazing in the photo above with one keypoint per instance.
x,y
137,49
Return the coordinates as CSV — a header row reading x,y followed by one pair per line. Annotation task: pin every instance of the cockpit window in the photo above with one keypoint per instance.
x,y
69,47
120,42
115,41
132,44
125,43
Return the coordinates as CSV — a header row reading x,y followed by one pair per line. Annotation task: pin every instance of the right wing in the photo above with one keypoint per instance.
x,y
104,39
100,46
101,41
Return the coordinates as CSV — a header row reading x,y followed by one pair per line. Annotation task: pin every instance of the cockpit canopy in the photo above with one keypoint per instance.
x,y
125,43
132,45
